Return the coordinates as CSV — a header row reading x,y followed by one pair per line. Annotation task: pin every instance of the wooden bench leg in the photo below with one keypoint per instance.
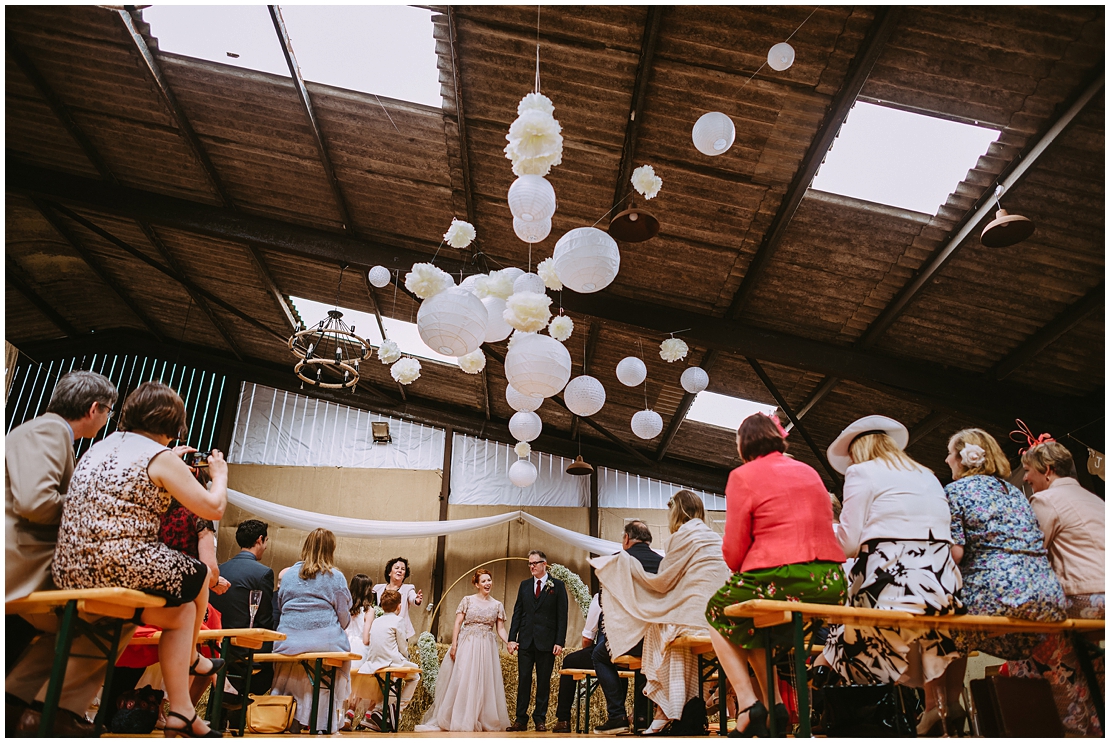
x,y
248,675
769,654
330,673
58,673
802,688
216,696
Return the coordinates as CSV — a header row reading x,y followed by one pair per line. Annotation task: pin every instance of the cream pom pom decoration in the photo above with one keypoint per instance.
x,y
389,351
535,141
528,311
405,371
523,449
673,349
470,283
646,181
460,234
561,328
472,363
379,276
426,280
498,284
546,271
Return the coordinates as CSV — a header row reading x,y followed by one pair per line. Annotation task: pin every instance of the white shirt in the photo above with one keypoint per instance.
x,y
881,502
408,596
542,581
593,617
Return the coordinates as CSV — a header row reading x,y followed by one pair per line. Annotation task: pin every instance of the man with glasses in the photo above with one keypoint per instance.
x,y
537,634
39,463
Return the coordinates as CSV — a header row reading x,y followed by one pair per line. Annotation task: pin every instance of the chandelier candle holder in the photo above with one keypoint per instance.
x,y
329,353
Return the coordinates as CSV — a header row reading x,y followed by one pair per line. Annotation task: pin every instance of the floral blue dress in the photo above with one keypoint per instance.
x,y
1005,566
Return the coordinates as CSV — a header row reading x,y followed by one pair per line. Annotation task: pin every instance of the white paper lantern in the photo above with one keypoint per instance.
x,y
714,133
521,402
584,396
532,232
497,329
512,272
531,198
537,364
647,424
586,259
631,371
529,282
380,276
452,322
525,426
780,57
694,380
522,473
470,282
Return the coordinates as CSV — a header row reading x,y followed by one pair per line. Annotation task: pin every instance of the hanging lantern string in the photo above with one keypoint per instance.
x,y
788,38
538,48
676,332
619,202
640,341
342,268
396,282
379,100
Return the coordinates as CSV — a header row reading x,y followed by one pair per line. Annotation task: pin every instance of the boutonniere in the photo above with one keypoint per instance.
x,y
548,588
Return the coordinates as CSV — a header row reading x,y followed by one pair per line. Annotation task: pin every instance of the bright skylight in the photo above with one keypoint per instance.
x,y
380,49
901,159
724,411
366,326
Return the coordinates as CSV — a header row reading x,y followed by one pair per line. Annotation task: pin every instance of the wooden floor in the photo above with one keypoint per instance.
x,y
289,736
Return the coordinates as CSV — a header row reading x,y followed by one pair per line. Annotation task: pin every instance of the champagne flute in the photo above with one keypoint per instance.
x,y
942,709
256,600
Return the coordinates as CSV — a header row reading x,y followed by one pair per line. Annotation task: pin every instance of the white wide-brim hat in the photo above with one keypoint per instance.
x,y
838,451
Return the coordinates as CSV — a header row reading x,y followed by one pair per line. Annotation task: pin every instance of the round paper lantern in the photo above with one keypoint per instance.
x,y
522,473
469,283
521,402
537,365
694,380
584,396
529,282
780,57
512,272
380,276
714,133
531,198
497,329
532,232
631,371
452,322
647,424
586,259
525,426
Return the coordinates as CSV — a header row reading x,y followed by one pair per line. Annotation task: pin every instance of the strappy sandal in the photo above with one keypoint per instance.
x,y
664,729
187,731
757,722
217,664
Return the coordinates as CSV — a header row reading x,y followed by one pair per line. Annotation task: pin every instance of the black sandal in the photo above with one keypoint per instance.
x,y
187,731
757,723
217,664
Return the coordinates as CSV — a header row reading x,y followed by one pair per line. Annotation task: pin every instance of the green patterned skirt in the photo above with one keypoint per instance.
x,y
811,582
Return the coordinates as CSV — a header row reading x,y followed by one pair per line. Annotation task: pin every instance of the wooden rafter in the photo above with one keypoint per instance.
x,y
639,97
373,295
1072,315
21,283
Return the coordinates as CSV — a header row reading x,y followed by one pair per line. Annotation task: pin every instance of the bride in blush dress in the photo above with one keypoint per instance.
x,y
470,692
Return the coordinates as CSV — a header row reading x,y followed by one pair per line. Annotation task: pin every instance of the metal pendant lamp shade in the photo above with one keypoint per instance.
x,y
580,467
634,225
1006,230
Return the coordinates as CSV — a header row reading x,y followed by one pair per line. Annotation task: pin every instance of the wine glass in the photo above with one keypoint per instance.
x,y
256,600
942,710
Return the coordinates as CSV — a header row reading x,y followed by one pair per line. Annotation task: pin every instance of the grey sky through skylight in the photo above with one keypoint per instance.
x,y
387,50
724,411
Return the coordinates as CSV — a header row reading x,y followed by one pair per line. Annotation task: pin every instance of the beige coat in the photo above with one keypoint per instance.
x,y
39,463
1074,524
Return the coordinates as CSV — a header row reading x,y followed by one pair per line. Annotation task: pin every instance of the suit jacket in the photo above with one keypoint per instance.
x,y
246,574
648,557
39,463
389,644
542,621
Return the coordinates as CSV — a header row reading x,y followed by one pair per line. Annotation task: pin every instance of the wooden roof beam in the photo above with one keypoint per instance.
x,y
886,18
823,389
639,97
460,116
587,358
373,295
22,284
1074,314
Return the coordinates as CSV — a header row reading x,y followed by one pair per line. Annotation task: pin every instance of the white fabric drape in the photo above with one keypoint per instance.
x,y
480,477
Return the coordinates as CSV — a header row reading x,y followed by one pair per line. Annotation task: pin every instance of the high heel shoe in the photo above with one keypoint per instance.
x,y
187,731
217,664
782,719
757,723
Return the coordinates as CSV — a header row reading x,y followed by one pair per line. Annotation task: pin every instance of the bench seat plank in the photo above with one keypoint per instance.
x,y
330,658
114,602
240,637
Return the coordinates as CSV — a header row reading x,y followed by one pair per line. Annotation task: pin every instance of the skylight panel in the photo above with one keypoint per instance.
x,y
403,333
901,159
239,35
724,411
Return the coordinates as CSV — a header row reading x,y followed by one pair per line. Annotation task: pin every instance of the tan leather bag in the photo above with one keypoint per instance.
x,y
270,714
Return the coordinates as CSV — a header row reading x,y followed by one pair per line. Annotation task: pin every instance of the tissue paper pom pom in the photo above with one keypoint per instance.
x,y
522,449
561,328
425,280
646,181
405,371
498,284
528,311
673,349
535,102
546,270
389,352
460,234
472,363
535,142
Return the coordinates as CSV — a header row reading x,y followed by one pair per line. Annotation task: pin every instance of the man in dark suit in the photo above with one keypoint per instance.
x,y
538,632
636,542
246,573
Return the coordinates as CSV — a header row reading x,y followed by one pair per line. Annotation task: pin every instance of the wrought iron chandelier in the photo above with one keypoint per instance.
x,y
328,354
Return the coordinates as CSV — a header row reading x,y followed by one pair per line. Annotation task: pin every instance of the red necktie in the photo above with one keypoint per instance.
x,y
538,584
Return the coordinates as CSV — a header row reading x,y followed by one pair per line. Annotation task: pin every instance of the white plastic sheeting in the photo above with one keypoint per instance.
x,y
283,428
480,477
616,489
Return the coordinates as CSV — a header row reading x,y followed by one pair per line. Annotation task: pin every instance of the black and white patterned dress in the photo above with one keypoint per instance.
x,y
109,531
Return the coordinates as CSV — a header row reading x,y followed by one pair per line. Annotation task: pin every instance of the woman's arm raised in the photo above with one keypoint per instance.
x,y
172,474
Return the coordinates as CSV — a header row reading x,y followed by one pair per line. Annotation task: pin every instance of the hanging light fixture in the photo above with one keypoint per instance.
x,y
634,225
1005,229
580,467
329,353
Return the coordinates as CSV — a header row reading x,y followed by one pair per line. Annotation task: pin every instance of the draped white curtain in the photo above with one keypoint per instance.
x,y
480,477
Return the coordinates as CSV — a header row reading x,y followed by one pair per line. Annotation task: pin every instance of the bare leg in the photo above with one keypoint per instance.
x,y
954,681
734,662
758,660
176,651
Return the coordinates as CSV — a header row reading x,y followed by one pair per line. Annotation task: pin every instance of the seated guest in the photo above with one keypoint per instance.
x,y
659,607
1074,524
579,659
396,573
109,535
245,572
895,519
637,543
387,647
315,611
780,545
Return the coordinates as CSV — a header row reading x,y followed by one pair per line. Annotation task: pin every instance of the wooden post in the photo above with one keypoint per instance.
x,y
595,523
438,576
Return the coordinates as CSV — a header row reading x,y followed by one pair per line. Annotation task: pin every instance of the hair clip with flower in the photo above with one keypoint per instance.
x,y
972,455
775,419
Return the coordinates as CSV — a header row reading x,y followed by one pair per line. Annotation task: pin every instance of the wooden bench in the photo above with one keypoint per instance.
x,y
767,614
107,609
585,684
320,668
390,680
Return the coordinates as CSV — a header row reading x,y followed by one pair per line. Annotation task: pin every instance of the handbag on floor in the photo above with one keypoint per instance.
x,y
270,714
1015,708
136,711
858,711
